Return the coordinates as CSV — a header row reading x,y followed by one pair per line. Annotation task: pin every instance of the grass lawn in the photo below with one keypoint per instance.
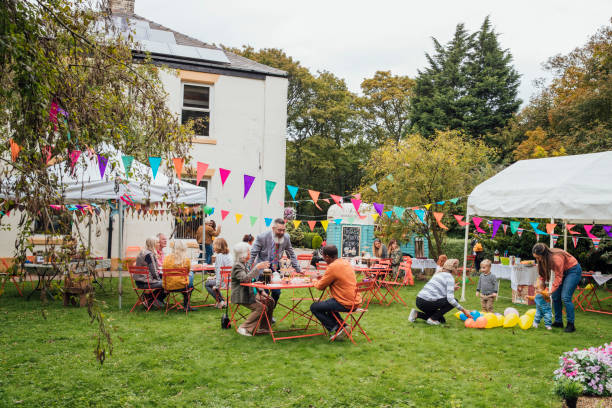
x,y
177,360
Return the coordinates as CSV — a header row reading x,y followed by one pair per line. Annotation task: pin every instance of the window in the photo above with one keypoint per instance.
x,y
56,224
196,107
186,225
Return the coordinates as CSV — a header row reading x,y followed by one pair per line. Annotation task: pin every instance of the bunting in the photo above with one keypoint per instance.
x,y
388,214
514,225
519,231
74,157
248,182
209,210
440,202
569,229
269,188
324,224
505,226
588,229
224,174
374,216
268,221
311,225
48,154
253,220
15,149
102,161
550,228
421,215
477,221
200,172
292,190
427,206
438,216
555,238
326,200
315,197
296,223
535,225
399,211
238,218
454,200
460,221
494,227
178,166
127,164
154,162
338,221
608,229
374,187
390,177
224,214
595,242
379,208
575,241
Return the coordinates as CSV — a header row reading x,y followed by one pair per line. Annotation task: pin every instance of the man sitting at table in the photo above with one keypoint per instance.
x,y
340,278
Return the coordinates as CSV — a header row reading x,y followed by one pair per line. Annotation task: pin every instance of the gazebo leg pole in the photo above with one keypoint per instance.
x,y
120,245
552,244
465,248
565,235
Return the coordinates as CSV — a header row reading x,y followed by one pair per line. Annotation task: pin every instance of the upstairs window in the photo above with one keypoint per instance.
x,y
196,107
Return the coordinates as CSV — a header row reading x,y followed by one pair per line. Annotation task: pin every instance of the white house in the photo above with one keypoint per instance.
x,y
245,106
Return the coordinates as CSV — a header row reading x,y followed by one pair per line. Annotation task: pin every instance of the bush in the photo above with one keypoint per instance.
x,y
307,241
316,241
295,234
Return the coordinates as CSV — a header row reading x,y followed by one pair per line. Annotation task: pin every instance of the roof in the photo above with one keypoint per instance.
x,y
236,63
575,188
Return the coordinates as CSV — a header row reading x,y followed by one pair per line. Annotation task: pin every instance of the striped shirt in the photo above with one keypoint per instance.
x,y
441,285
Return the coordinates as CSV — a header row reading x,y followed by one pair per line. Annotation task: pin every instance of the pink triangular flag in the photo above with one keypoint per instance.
x,y
47,154
575,241
224,214
477,221
460,221
550,228
326,200
555,237
248,182
224,173
311,224
201,170
315,197
505,227
569,229
595,242
519,231
178,166
357,196
337,200
438,216
356,203
74,156
588,229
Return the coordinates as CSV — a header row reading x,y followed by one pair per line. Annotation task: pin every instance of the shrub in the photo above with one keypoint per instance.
x,y
316,241
307,241
591,368
295,234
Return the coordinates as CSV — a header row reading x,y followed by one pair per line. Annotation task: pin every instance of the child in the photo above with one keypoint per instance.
x,y
487,286
542,299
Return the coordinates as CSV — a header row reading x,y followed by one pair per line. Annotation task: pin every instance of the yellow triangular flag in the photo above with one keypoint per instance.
x,y
296,223
375,216
427,206
238,218
324,224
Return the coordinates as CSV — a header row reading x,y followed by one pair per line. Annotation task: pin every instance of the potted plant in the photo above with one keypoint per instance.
x,y
568,390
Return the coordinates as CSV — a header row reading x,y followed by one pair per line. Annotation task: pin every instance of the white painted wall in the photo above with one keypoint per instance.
x,y
248,121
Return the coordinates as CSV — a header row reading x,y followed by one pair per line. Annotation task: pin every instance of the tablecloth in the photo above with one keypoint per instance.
x,y
516,274
423,263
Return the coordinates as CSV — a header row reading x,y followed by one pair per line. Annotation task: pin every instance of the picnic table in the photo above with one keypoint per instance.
x,y
589,297
304,316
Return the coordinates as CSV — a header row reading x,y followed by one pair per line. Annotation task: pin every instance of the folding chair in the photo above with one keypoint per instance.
x,y
378,275
352,318
471,262
183,289
9,272
238,310
391,285
304,261
146,296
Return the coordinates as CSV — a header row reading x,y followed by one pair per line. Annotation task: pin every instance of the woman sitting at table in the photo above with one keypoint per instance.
x,y
147,258
178,259
396,257
244,295
379,250
222,258
567,272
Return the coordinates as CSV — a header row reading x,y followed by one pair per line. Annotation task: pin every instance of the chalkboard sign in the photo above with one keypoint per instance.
x,y
351,237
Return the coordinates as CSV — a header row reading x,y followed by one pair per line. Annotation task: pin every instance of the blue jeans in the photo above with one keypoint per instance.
x,y
564,293
542,310
325,312
209,252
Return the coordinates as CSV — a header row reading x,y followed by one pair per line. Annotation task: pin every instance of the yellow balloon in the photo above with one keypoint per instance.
x,y
531,312
511,320
500,320
457,315
525,322
491,320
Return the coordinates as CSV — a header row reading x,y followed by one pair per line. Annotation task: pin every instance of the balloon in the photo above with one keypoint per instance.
x,y
511,320
510,310
525,322
531,312
475,314
491,320
500,320
458,315
469,323
462,316
481,322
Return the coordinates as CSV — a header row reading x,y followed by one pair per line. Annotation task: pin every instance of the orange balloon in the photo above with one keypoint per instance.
x,y
481,322
469,323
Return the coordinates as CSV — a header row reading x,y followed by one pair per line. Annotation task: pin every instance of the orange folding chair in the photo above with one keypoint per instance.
x,y
378,275
147,295
9,272
391,285
471,262
175,281
304,261
352,318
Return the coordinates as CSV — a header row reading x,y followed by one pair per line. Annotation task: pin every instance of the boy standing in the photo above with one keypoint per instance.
x,y
487,286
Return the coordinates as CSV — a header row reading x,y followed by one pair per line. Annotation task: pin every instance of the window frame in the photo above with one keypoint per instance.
x,y
189,108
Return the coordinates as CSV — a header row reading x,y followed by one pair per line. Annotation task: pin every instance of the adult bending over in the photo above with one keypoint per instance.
x,y
147,257
567,272
243,295
438,296
340,278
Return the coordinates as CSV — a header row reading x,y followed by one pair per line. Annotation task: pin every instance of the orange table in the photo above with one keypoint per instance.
x,y
587,299
203,269
291,310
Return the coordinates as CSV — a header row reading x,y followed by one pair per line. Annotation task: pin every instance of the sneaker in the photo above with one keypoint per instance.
x,y
570,328
273,320
339,335
244,332
413,315
557,324
548,328
535,325
433,322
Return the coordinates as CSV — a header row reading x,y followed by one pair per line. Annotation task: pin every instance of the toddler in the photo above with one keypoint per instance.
x,y
487,286
542,299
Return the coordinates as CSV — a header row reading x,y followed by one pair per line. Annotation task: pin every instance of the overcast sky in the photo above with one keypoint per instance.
x,y
354,39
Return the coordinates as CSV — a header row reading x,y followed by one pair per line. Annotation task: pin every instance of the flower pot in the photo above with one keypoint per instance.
x,y
571,402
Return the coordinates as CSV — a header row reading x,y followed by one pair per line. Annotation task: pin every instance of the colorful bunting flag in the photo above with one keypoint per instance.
x,y
495,226
438,216
127,164
311,225
224,214
296,223
454,200
550,228
569,229
324,224
238,218
48,154
337,200
555,238
477,221
421,215
53,114
427,206
268,221
388,214
534,225
326,200
102,162
588,229
74,157
224,174
200,172
269,188
338,221
375,216
253,220
356,203
315,197
248,182
514,225
374,187
460,221
351,220
154,162
357,196
519,231
440,202
292,190
379,208
15,149
505,226
595,242
209,210
575,241
608,229
399,211
178,166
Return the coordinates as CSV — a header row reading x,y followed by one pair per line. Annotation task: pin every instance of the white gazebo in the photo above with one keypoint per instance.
x,y
576,189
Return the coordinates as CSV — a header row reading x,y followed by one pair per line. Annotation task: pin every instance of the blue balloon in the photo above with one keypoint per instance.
x,y
475,314
463,317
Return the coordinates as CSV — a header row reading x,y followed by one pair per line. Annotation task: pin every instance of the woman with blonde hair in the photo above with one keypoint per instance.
x,y
148,258
178,259
222,258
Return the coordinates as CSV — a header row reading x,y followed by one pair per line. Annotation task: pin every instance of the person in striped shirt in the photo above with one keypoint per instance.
x,y
438,296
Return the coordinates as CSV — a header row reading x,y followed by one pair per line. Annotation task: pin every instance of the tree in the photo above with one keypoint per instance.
x,y
424,171
537,145
65,86
385,106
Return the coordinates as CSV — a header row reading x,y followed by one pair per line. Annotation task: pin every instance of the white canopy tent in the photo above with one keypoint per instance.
x,y
576,189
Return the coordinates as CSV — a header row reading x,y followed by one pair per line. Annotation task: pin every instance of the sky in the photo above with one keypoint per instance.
x,y
354,39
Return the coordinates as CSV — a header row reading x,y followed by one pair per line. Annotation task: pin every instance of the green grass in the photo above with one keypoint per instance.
x,y
177,360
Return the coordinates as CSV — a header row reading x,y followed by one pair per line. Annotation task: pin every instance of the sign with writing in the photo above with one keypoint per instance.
x,y
351,237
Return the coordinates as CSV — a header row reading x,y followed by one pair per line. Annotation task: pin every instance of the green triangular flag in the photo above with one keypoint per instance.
x,y
390,177
351,220
253,220
127,164
269,188
454,200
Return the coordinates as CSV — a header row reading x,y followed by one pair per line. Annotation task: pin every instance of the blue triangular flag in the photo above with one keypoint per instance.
x,y
268,221
534,225
292,190
399,211
421,214
440,202
154,162
338,221
389,213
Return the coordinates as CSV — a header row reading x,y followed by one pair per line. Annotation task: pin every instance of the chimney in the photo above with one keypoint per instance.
x,y
121,6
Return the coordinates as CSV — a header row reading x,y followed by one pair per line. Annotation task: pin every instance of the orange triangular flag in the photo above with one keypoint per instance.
x,y
315,197
326,200
438,216
312,224
178,166
550,228
337,200
569,229
15,149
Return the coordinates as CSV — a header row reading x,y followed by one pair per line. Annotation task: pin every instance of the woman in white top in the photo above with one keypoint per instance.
x,y
222,258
